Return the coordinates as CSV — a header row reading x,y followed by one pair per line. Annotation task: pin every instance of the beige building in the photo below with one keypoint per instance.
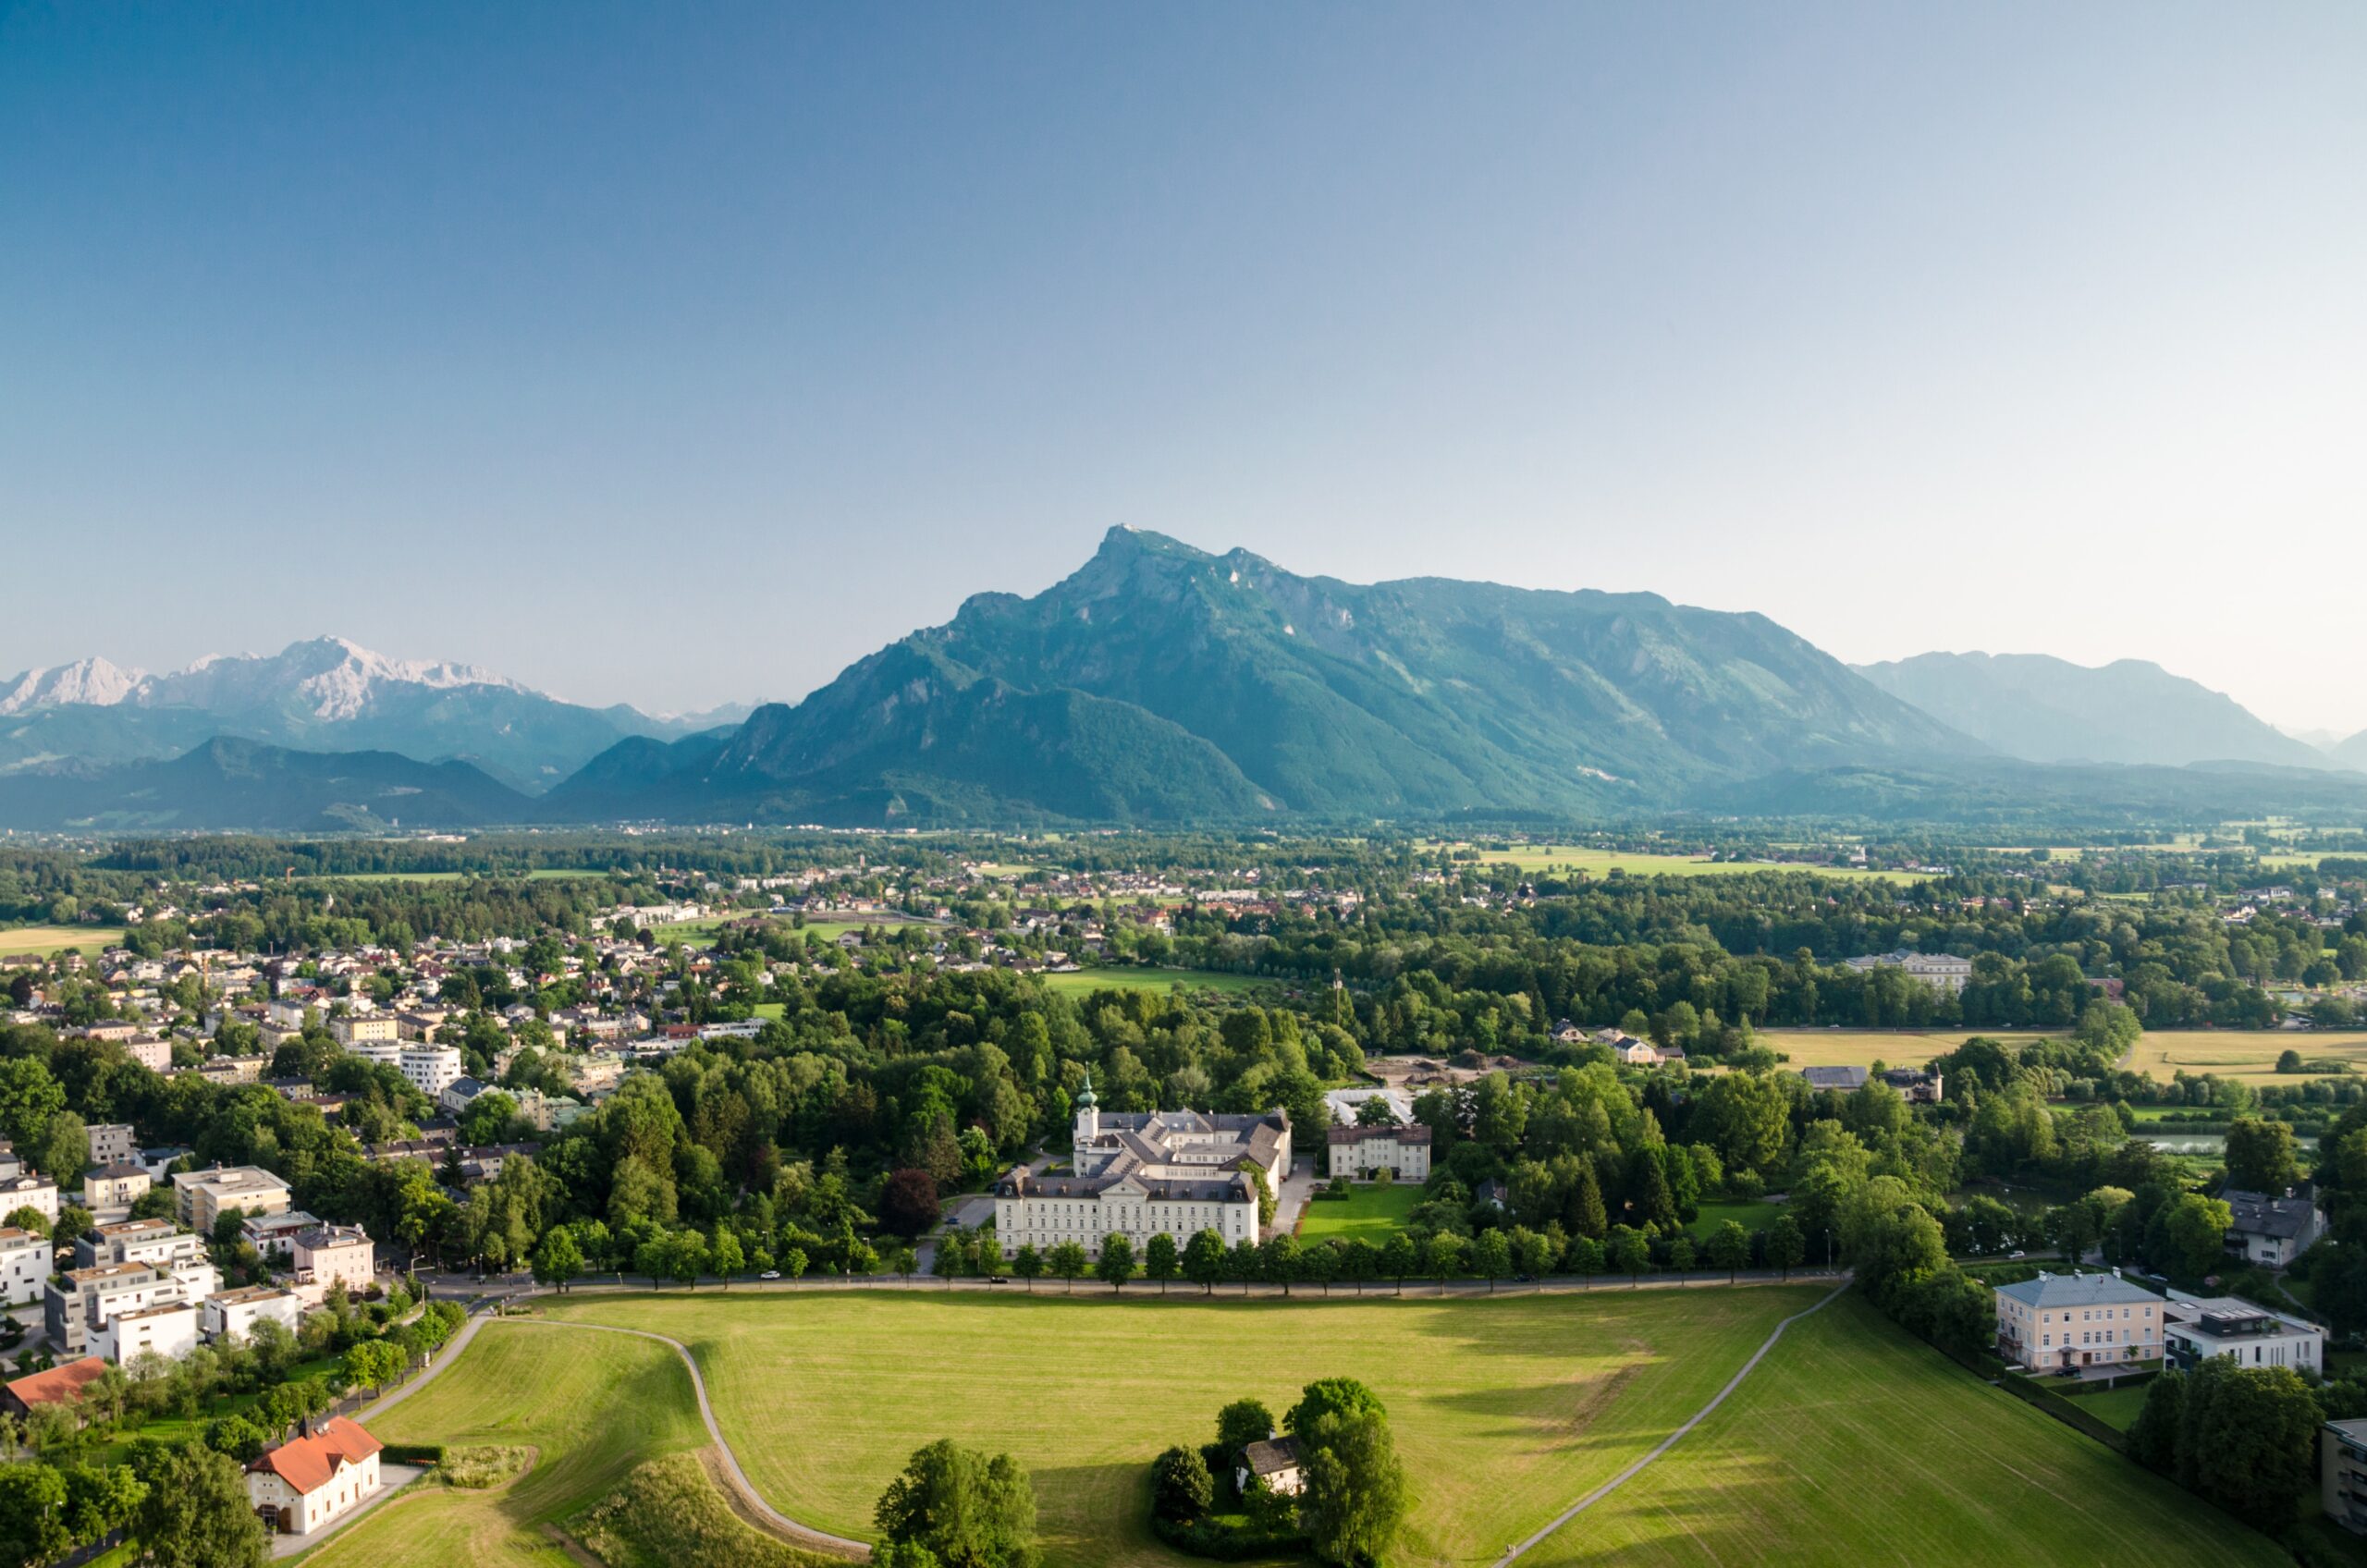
x,y
24,1266
1358,1152
332,1254
304,1486
2059,1320
355,1028
202,1195
119,1185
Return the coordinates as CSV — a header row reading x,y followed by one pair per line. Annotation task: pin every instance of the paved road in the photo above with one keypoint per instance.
x,y
803,1535
1670,1442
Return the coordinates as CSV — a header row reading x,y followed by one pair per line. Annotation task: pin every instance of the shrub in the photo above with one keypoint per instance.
x,y
1180,1486
667,1513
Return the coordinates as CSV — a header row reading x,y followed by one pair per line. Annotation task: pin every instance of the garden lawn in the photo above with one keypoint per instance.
x,y
1083,981
595,1405
47,939
2114,1408
1504,1409
1373,1213
1854,1443
1751,1215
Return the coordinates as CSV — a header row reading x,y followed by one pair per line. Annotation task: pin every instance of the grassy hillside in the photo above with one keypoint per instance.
x,y
1504,1409
1854,1443
595,1406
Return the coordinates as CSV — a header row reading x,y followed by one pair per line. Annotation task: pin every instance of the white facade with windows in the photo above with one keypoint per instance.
x,y
1175,1173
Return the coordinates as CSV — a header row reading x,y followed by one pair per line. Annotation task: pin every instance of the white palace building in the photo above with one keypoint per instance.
x,y
1176,1172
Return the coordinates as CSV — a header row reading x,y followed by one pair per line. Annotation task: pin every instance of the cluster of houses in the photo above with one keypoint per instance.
x,y
147,1286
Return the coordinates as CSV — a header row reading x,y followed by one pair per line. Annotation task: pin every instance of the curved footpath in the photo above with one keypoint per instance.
x,y
1668,1443
800,1534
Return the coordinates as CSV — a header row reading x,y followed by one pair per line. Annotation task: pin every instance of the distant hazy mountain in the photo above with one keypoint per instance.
x,y
326,694
229,783
1162,683
2043,710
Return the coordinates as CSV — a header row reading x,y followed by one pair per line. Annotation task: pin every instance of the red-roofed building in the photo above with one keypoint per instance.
x,y
306,1485
59,1385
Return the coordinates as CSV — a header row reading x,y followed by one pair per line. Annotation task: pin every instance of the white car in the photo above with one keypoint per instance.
x,y
769,1274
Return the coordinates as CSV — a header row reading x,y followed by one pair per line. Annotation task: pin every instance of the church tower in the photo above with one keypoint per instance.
x,y
1089,1117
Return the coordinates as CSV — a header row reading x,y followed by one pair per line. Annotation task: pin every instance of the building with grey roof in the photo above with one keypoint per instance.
x,y
1176,1173
2269,1230
1842,1080
2074,1320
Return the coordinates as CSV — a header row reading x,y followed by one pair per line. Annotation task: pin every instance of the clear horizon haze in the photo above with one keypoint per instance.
x,y
683,355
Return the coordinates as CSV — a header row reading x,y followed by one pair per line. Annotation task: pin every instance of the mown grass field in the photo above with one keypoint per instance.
x,y
595,1406
1504,1409
1373,1213
1083,981
47,939
1854,1443
1602,862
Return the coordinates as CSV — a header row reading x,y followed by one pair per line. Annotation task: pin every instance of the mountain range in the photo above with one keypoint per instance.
x,y
2050,710
323,695
1160,683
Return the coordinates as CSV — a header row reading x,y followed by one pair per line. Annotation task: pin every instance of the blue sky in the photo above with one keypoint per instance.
x,y
677,354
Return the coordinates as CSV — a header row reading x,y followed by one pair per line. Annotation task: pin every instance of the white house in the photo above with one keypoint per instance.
x,y
1358,1152
2248,1334
333,1255
36,1193
24,1266
167,1327
2272,1232
227,1313
303,1486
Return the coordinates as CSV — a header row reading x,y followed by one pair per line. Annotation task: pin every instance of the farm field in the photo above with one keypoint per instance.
x,y
1505,1408
1373,1213
1858,1048
1936,1468
541,873
1602,862
47,939
1082,982
2247,1054
602,1404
